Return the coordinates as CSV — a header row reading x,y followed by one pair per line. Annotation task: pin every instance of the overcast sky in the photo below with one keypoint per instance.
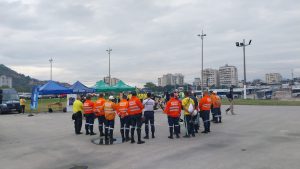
x,y
148,37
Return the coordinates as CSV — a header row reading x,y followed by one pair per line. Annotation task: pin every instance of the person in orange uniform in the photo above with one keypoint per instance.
x,y
216,107
205,105
173,110
98,108
135,111
88,108
122,111
109,111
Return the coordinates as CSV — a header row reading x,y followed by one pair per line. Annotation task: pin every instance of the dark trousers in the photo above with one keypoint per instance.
x,y
218,114
23,109
213,114
206,122
173,124
125,126
109,128
189,124
89,123
196,122
78,122
136,122
101,122
149,117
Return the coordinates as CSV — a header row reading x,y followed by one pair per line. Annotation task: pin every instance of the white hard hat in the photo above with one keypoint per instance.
x,y
215,92
111,98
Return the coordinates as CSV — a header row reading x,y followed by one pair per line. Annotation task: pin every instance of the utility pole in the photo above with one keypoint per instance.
x,y
202,37
109,77
243,44
50,60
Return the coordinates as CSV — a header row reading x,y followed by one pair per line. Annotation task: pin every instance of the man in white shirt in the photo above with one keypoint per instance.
x,y
149,115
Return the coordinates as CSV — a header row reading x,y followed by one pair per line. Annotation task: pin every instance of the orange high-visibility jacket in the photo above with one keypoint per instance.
x,y
122,108
135,106
216,101
99,107
205,103
173,108
88,107
109,110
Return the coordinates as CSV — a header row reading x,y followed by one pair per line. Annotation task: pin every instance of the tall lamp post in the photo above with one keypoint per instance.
x,y
243,44
202,37
50,60
109,77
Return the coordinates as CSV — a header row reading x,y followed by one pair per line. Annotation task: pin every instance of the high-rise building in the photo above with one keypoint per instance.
x,y
197,81
228,75
210,77
5,81
170,79
273,78
113,80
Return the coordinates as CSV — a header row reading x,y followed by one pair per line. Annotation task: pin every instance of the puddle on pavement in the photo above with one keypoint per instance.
x,y
102,141
80,167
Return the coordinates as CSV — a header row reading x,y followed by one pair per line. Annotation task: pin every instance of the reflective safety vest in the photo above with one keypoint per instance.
x,y
88,107
216,101
98,107
135,106
173,108
122,108
205,103
109,110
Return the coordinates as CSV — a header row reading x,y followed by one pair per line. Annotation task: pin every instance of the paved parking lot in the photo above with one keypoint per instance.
x,y
259,137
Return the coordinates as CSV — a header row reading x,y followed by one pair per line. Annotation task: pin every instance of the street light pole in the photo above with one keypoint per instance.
x,y
202,35
243,44
50,60
109,77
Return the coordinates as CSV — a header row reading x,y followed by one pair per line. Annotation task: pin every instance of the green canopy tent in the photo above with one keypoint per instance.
x,y
122,87
101,86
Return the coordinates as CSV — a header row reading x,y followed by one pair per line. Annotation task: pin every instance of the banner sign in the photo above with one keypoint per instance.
x,y
34,98
70,100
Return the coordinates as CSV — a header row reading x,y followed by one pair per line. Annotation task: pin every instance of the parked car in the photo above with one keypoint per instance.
x,y
9,101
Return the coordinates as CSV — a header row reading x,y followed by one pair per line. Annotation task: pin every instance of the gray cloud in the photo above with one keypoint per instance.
x,y
148,38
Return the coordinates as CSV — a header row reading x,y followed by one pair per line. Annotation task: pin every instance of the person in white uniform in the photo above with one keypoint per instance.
x,y
149,115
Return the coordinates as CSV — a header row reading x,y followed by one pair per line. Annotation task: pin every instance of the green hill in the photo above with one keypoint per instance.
x,y
20,82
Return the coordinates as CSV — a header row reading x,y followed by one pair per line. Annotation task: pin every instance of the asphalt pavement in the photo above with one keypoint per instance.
x,y
259,137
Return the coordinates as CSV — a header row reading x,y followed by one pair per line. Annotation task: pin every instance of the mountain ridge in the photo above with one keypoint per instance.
x,y
21,82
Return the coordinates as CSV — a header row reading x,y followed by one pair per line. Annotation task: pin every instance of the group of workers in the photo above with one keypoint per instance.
x,y
134,112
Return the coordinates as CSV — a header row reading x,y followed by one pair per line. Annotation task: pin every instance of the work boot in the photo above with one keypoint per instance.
x,y
127,138
139,137
87,130
132,136
106,134
111,134
171,133
101,131
91,129
122,134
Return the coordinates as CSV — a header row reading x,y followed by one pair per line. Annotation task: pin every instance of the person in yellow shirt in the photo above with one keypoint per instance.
x,y
187,115
22,104
77,115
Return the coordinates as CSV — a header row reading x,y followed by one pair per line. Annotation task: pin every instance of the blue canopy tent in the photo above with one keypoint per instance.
x,y
52,87
79,88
